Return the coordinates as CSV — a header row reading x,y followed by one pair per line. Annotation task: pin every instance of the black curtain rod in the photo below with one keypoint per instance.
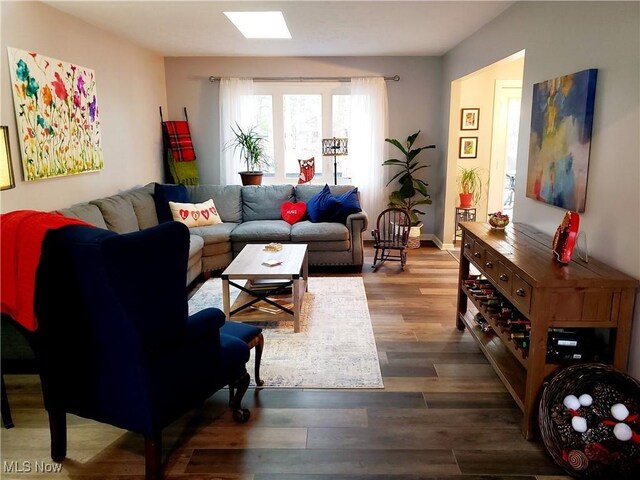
x,y
395,78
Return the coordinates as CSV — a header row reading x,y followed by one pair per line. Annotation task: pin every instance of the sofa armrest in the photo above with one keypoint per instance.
x,y
358,221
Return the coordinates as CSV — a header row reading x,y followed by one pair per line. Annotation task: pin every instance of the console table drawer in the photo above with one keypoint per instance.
x,y
521,294
478,254
490,265
505,278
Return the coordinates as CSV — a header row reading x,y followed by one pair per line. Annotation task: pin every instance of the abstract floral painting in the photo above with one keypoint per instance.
x,y
560,142
57,116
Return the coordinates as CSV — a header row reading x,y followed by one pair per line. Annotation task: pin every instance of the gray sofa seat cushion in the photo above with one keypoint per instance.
x,y
306,231
305,192
118,213
87,212
264,202
143,205
218,233
195,246
226,198
262,231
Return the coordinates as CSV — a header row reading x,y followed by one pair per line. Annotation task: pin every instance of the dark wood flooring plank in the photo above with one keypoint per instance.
x,y
420,437
440,417
325,462
295,398
477,400
500,462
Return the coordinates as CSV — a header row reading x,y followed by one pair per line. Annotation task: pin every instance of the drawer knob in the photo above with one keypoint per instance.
x,y
488,265
467,245
504,277
477,254
521,292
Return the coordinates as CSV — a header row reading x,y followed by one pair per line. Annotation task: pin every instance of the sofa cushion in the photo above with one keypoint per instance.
x,y
219,233
321,206
305,192
163,194
195,214
118,214
263,202
293,212
144,205
228,199
87,212
195,246
262,231
347,203
305,232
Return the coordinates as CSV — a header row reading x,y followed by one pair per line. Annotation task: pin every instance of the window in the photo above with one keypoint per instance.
x,y
295,117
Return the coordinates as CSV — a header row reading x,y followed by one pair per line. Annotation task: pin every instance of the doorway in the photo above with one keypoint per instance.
x,y
504,146
494,92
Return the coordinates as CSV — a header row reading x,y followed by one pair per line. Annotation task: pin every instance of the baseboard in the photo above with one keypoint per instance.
x,y
438,243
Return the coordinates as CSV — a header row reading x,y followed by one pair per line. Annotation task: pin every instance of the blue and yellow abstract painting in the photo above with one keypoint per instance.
x,y
560,142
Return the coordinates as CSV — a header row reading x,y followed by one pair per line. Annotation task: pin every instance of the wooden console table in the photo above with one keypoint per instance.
x,y
518,263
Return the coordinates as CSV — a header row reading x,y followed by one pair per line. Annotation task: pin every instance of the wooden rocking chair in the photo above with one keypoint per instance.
x,y
391,236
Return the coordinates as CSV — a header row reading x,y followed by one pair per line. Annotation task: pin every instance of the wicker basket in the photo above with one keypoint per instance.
x,y
596,453
414,236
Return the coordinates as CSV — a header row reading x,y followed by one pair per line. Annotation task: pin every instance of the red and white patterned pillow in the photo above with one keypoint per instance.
x,y
195,214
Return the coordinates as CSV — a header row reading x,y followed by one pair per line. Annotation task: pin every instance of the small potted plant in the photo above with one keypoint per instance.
x,y
412,191
250,145
470,183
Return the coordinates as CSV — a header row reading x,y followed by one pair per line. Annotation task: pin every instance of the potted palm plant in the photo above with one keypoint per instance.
x,y
250,145
470,184
412,191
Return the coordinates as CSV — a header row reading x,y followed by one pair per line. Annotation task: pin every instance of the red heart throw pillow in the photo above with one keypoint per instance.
x,y
293,212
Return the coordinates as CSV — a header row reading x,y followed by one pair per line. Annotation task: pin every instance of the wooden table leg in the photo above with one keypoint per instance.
x,y
226,304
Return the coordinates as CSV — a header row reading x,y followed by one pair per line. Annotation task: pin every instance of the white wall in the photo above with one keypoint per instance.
x,y
562,38
130,87
414,101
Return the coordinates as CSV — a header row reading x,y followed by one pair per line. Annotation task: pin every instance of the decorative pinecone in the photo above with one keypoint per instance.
x,y
596,453
598,434
560,415
604,396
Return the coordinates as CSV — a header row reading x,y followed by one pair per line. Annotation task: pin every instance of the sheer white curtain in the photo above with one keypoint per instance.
x,y
236,107
367,148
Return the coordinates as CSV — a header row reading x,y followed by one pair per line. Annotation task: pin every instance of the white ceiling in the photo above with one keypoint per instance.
x,y
318,28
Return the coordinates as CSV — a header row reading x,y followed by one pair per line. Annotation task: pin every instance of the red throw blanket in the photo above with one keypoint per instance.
x,y
180,143
21,234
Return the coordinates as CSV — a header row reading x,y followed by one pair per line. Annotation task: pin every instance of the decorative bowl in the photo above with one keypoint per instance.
x,y
498,220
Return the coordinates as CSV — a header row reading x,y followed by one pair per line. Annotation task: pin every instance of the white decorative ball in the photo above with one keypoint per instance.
x,y
622,431
571,402
619,411
579,424
585,400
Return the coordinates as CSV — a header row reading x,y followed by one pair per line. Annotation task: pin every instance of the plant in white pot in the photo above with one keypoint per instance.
x,y
250,145
412,191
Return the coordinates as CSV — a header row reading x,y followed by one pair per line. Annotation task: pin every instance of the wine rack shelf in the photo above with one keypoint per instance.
x,y
517,263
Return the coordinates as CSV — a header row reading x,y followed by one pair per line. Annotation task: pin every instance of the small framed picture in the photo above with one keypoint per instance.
x,y
469,119
468,147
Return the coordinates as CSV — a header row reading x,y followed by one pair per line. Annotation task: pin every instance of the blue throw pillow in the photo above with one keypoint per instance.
x,y
163,194
321,206
346,204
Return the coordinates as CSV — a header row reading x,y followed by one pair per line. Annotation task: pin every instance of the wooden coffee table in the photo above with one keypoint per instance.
x,y
248,265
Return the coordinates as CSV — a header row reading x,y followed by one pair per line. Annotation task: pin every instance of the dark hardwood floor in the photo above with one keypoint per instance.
x,y
443,414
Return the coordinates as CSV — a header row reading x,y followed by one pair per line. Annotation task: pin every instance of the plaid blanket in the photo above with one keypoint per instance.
x,y
179,141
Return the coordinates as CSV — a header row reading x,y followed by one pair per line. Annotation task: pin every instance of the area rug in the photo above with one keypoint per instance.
x,y
335,347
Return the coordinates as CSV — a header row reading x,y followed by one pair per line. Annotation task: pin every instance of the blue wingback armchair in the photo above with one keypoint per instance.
x,y
115,342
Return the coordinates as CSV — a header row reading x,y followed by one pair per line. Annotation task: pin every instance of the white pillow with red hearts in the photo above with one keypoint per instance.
x,y
195,214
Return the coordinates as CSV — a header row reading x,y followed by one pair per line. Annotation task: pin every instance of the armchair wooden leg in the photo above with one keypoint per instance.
x,y
259,347
153,457
58,430
6,408
240,415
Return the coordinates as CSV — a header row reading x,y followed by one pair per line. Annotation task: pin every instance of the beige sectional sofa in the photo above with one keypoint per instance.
x,y
249,215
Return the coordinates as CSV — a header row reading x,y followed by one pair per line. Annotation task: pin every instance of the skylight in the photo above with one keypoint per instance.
x,y
260,24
